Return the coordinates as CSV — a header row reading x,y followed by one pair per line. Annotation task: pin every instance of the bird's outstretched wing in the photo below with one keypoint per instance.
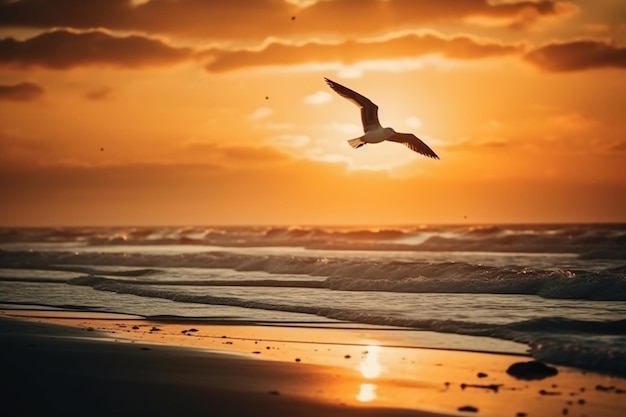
x,y
369,110
414,143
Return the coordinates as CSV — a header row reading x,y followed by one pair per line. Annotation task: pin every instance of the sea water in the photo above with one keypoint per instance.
x,y
557,292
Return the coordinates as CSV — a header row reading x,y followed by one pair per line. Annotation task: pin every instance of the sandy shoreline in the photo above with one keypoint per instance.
x,y
73,363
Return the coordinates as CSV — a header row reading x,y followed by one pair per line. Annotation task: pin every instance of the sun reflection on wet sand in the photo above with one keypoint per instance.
x,y
367,393
370,366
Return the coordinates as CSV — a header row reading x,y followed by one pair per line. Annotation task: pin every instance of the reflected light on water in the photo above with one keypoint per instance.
x,y
367,393
370,365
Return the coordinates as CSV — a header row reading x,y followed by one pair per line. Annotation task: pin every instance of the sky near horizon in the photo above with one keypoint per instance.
x,y
153,112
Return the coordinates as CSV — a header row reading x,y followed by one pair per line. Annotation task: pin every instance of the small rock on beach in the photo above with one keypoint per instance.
x,y
532,370
468,408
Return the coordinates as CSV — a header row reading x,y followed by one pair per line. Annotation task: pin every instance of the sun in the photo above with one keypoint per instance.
x,y
384,156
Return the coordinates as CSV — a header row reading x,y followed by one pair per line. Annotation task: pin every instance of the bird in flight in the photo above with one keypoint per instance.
x,y
374,132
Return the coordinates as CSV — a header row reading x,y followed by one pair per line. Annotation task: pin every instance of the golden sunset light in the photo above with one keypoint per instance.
x,y
159,112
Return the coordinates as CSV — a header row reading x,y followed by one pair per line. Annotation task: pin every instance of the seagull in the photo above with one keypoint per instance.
x,y
374,132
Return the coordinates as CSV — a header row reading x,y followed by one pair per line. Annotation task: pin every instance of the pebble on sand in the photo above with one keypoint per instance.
x,y
493,387
532,370
468,408
544,392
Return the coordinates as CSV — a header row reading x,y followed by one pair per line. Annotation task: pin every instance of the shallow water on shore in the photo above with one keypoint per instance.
x,y
558,292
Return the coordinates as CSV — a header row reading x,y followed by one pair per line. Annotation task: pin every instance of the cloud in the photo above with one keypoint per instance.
x,y
261,113
21,92
573,121
619,146
577,55
347,128
527,17
290,141
21,150
494,144
242,156
597,28
278,126
348,52
99,94
260,19
69,48
231,157
63,49
493,124
319,97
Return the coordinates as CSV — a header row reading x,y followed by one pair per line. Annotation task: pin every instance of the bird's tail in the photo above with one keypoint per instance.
x,y
356,143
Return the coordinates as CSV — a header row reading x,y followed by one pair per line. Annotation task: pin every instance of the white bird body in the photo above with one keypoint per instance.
x,y
375,135
374,132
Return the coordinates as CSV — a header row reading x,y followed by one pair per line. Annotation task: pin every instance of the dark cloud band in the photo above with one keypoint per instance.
x,y
63,49
21,92
579,55
409,46
259,19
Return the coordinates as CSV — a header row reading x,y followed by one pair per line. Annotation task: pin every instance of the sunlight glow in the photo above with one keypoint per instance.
x,y
378,157
136,3
414,122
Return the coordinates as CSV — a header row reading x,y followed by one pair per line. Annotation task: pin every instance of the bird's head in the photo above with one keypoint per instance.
x,y
389,130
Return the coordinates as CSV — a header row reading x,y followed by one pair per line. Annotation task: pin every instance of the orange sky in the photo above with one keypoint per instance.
x,y
148,112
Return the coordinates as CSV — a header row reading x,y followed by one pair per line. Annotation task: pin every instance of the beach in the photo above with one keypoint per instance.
x,y
64,362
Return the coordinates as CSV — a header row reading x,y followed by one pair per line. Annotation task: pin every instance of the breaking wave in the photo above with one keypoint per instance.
x,y
589,241
343,274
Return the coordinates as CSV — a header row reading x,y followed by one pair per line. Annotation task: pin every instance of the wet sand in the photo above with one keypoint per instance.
x,y
77,363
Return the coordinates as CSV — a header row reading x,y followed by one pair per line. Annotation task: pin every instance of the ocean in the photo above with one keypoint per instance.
x,y
556,292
